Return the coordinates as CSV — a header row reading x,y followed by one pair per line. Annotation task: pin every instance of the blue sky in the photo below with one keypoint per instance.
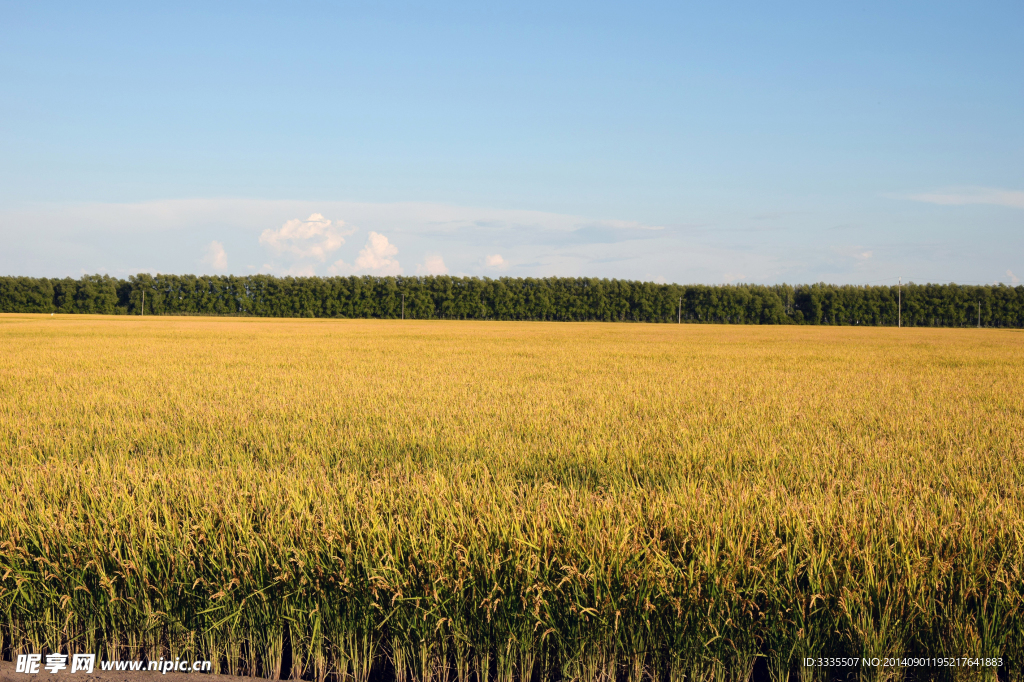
x,y
720,142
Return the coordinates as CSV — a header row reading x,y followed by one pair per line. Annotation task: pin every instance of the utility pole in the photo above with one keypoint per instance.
x,y
403,306
979,314
899,304
143,302
680,311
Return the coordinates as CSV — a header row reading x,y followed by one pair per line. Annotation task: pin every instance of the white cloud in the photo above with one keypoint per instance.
x,y
961,196
314,237
433,265
731,277
494,261
297,270
215,256
340,267
857,253
376,256
59,239
1013,278
374,259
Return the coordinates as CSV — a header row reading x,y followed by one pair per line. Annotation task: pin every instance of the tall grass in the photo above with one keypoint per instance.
x,y
496,502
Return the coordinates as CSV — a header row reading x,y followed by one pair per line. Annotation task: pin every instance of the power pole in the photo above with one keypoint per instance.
x,y
979,314
680,311
899,304
143,303
403,306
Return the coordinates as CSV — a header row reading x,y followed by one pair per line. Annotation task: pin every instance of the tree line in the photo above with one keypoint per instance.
x,y
513,298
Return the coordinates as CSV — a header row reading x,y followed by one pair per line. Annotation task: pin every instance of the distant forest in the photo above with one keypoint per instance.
x,y
507,298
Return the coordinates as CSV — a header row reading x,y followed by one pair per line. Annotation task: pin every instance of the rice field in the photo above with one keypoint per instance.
x,y
496,502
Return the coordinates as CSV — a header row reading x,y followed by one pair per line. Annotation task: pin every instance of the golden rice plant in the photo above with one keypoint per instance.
x,y
502,502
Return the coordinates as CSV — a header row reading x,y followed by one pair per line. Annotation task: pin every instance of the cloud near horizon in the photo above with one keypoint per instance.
x,y
216,257
173,235
964,196
432,265
314,237
374,259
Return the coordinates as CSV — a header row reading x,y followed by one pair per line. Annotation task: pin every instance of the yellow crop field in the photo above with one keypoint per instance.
x,y
465,501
